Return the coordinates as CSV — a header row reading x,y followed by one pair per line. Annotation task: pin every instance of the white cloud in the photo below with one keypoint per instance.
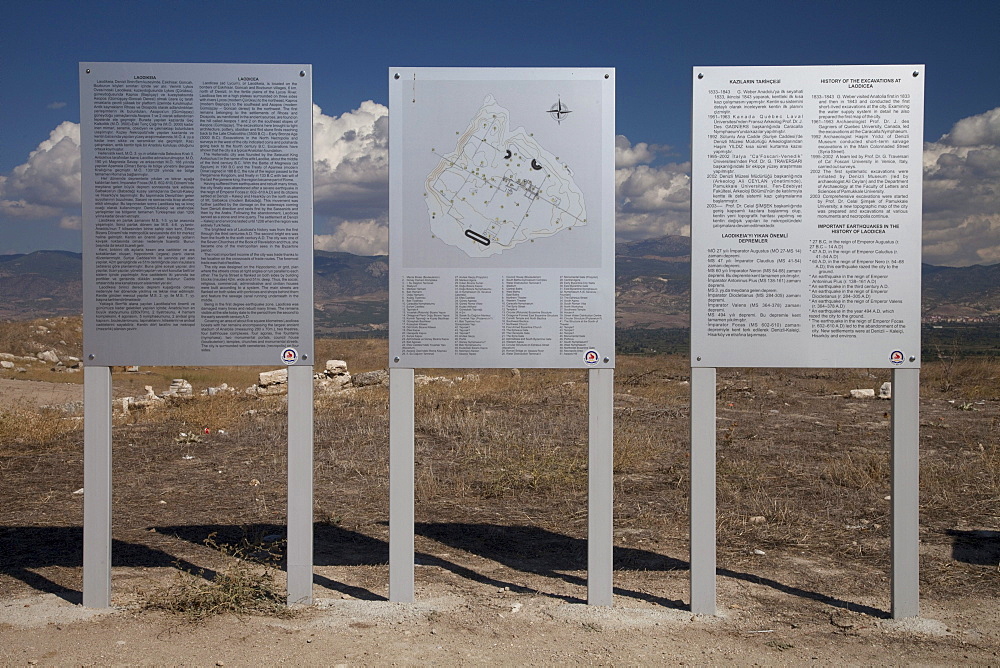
x,y
51,176
962,193
351,162
55,105
975,130
627,155
961,186
650,201
361,237
71,223
21,209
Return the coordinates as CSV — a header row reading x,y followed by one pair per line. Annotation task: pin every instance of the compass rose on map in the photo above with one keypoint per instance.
x,y
559,111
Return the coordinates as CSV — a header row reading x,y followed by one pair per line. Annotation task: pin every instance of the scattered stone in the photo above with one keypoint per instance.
x,y
49,356
885,392
369,378
862,394
421,380
179,388
335,368
79,492
276,377
334,378
17,358
759,553
270,383
132,368
758,519
71,408
6,365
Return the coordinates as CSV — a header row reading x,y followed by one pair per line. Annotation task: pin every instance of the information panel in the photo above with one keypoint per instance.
x,y
806,216
501,217
197,213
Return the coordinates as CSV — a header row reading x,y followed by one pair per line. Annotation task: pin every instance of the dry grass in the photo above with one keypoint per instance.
x,y
26,338
803,471
973,378
27,430
246,585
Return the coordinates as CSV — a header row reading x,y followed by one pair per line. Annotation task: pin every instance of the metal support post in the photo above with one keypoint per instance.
x,y
97,487
300,484
401,482
600,525
905,493
703,512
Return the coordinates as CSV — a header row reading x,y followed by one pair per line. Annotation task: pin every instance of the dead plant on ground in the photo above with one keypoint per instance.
x,y
245,586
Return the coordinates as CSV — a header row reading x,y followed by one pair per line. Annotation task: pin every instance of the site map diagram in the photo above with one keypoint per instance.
x,y
500,188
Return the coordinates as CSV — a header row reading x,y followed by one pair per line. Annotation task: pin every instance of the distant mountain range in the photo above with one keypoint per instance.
x,y
352,291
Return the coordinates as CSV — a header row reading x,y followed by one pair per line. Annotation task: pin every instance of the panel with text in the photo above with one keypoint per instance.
x,y
806,216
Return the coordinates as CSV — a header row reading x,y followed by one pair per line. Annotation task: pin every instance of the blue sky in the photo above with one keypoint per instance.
x,y
652,45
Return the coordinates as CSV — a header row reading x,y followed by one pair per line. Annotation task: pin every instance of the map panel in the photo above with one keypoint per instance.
x,y
499,188
501,218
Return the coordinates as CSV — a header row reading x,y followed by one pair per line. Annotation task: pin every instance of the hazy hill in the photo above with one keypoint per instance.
x,y
352,291
43,283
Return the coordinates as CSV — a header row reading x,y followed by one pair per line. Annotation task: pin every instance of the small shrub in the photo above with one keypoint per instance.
x,y
245,586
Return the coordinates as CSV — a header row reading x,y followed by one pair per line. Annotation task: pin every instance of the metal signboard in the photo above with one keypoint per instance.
x,y
806,216
501,217
197,206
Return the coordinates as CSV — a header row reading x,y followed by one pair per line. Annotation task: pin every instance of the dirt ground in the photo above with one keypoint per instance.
x,y
500,575
457,620
38,393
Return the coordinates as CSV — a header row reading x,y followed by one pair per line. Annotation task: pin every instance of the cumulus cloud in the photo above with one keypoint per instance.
x,y
361,237
961,186
962,193
983,129
71,223
650,201
51,176
24,210
351,162
627,155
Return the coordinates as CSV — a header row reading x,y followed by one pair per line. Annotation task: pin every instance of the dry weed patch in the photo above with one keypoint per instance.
x,y
803,470
246,585
24,430
62,334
